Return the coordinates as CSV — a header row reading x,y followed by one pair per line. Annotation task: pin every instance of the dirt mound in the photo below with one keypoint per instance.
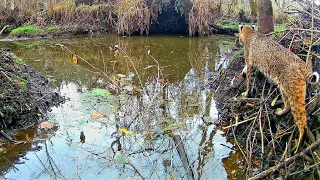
x,y
24,94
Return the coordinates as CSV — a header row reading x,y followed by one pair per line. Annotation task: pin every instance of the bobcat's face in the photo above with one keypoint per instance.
x,y
244,31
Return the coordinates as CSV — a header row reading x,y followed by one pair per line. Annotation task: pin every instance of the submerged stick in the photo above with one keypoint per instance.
x,y
183,155
287,161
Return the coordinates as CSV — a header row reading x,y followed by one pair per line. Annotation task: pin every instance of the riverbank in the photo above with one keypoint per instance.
x,y
123,18
70,30
25,95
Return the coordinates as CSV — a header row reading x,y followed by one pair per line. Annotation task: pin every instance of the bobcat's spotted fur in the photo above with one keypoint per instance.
x,y
283,67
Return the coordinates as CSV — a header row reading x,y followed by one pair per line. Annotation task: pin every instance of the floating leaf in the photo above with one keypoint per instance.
x,y
162,81
75,58
126,131
120,159
97,115
46,125
100,92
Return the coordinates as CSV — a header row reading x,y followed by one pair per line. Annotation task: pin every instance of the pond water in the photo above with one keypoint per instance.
x,y
152,127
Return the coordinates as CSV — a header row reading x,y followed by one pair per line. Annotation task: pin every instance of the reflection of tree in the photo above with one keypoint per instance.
x,y
49,166
205,148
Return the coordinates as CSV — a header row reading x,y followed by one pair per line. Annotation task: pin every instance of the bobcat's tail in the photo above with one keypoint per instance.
x,y
314,78
298,110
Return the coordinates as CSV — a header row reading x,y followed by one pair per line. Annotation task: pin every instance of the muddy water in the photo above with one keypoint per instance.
x,y
143,147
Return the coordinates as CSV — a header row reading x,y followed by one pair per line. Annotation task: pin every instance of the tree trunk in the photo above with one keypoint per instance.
x,y
12,5
265,16
253,8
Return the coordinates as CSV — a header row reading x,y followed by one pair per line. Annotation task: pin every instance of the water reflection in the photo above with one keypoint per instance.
x,y
148,150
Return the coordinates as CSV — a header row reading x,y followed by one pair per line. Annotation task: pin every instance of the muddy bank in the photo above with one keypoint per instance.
x,y
25,95
73,30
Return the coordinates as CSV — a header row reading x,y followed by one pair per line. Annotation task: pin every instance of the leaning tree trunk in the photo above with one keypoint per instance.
x,y
265,16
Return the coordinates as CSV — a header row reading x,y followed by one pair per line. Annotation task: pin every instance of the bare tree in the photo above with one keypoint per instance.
x,y
265,16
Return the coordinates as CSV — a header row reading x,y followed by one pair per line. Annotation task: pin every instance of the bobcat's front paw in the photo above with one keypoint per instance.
x,y
279,112
245,94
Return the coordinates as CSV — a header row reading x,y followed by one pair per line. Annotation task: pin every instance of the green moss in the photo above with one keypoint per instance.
x,y
53,28
228,24
25,31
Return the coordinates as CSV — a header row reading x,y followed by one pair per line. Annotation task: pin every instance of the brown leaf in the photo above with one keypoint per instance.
x,y
97,115
46,125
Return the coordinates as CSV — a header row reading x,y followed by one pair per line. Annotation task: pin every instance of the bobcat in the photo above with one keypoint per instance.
x,y
284,68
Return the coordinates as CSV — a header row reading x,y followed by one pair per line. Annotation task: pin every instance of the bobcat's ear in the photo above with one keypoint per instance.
x,y
314,78
253,26
240,27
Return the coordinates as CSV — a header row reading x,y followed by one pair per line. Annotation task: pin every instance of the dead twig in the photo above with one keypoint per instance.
x,y
287,161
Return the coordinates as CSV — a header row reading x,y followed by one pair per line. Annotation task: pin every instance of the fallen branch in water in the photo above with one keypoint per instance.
x,y
3,29
287,161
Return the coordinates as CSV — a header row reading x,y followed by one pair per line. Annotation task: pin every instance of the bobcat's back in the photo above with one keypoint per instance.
x,y
284,68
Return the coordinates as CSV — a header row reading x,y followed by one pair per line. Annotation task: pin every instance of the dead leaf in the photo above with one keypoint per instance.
x,y
75,58
162,81
256,163
97,115
307,41
46,125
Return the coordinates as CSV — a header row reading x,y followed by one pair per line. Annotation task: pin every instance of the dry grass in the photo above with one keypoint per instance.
x,y
122,17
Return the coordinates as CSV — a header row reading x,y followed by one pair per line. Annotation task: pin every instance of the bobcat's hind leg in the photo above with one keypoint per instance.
x,y
287,106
